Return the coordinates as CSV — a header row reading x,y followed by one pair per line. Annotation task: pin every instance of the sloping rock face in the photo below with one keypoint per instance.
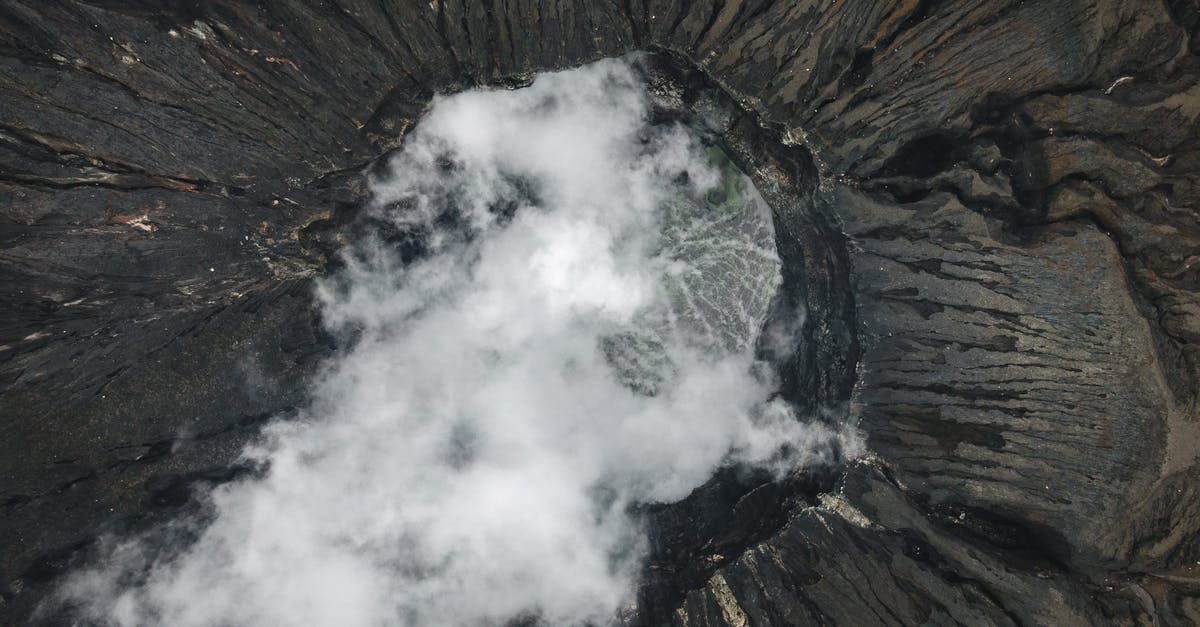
x,y
994,204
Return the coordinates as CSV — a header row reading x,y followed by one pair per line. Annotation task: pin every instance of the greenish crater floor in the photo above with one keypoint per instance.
x,y
720,273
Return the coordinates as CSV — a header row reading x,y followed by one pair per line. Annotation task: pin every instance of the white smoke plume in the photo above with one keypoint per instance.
x,y
472,456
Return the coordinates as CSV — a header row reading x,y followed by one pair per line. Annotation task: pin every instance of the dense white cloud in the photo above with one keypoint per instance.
x,y
472,456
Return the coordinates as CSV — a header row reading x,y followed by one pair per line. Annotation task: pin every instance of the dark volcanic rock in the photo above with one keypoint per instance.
x,y
993,206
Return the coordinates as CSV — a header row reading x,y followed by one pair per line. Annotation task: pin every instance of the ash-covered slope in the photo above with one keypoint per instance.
x,y
1016,181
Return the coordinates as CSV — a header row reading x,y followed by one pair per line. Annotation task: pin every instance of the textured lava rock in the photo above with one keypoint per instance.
x,y
993,211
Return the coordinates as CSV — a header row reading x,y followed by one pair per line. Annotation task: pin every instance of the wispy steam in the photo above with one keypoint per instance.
x,y
575,338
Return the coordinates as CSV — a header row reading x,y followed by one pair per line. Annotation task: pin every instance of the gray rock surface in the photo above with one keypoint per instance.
x,y
987,210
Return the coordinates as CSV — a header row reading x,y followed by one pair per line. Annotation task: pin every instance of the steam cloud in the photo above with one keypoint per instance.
x,y
472,456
